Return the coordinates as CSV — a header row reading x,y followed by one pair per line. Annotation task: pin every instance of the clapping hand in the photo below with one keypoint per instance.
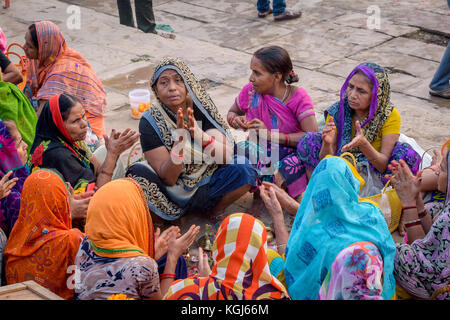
x,y
357,141
118,142
178,244
162,240
6,185
79,203
203,266
329,132
406,185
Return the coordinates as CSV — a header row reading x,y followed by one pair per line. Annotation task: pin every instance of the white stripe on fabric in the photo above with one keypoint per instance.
x,y
221,273
251,253
229,248
177,286
234,223
258,229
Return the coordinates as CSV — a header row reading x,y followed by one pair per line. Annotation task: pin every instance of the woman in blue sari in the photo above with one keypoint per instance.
x,y
339,247
188,149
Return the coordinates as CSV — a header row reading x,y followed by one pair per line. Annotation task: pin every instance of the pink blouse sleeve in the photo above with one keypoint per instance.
x,y
303,106
242,99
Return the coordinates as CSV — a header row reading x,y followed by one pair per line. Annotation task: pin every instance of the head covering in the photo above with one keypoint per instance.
x,y
60,69
199,170
380,106
331,218
42,244
9,158
15,106
3,42
54,148
355,274
10,161
240,271
118,222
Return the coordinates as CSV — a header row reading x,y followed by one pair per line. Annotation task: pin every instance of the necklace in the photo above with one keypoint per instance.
x,y
285,91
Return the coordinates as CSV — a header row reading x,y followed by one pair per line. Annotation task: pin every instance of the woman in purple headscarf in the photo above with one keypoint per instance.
x,y
363,122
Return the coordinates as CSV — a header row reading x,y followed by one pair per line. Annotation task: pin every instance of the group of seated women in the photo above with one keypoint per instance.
x,y
72,224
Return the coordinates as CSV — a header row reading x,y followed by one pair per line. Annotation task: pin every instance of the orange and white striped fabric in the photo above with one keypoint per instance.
x,y
240,271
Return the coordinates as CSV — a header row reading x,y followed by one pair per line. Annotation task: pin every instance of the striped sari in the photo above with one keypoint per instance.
x,y
60,69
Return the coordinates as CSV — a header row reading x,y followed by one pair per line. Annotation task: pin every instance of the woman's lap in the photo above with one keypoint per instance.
x,y
223,181
309,146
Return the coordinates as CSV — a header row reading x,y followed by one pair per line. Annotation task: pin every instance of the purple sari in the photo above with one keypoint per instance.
x,y
10,161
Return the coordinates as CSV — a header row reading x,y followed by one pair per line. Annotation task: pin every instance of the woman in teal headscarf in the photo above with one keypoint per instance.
x,y
329,223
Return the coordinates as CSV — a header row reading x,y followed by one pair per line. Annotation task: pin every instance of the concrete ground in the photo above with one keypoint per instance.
x,y
217,39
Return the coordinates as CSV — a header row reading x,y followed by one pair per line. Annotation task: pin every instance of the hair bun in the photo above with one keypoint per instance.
x,y
293,77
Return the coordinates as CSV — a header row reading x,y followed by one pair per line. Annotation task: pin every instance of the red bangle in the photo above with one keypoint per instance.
x,y
230,121
406,208
413,223
423,214
287,138
167,275
211,140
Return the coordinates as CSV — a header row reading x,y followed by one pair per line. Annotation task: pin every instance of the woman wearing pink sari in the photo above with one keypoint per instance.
x,y
276,114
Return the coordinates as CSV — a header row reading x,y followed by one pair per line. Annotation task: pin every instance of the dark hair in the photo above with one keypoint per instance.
x,y
276,59
66,103
33,34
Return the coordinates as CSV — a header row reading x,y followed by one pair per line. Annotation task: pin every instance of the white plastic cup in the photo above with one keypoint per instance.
x,y
139,102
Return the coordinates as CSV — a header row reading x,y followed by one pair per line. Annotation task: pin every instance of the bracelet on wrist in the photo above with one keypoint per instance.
x,y
230,120
177,156
210,141
286,136
412,223
432,168
423,214
407,208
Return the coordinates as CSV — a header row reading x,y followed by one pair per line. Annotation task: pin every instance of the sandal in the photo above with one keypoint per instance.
x,y
264,14
166,35
288,15
441,93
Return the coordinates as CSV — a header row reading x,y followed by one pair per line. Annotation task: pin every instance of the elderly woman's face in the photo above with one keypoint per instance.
x,y
170,89
76,123
30,50
359,93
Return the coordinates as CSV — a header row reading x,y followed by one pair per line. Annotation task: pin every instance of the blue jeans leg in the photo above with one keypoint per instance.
x,y
263,6
441,78
279,6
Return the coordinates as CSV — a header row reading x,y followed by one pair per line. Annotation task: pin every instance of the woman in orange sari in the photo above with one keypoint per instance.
x,y
42,244
121,253
55,68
